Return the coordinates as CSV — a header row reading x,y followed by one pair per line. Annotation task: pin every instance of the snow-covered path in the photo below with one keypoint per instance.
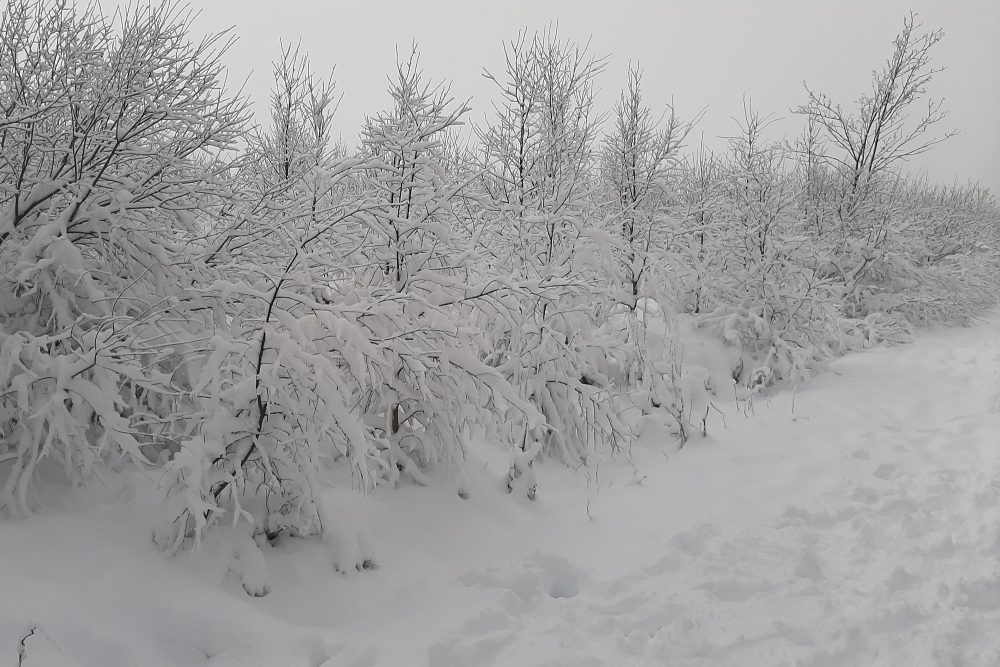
x,y
860,529
855,521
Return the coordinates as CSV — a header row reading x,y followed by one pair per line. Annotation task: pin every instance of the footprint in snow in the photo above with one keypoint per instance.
x,y
982,594
533,578
809,566
866,495
887,471
695,541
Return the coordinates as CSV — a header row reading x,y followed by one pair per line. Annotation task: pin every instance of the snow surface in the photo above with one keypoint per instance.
x,y
854,521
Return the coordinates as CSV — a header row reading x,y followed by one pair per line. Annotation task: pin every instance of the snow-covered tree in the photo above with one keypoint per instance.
x,y
637,157
347,347
865,147
771,299
115,141
277,398
435,392
538,153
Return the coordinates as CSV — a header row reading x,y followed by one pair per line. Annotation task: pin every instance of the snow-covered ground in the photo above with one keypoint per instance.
x,y
855,521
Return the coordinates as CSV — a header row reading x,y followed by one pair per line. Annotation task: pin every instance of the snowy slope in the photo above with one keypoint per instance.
x,y
854,521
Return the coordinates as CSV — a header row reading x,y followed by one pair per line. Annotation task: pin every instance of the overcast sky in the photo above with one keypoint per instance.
x,y
697,53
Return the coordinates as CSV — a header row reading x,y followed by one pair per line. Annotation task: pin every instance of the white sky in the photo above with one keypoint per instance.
x,y
700,54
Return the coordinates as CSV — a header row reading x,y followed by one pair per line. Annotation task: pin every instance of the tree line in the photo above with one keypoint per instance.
x,y
251,309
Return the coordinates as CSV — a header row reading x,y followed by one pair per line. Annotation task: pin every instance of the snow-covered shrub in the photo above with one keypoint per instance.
x,y
939,263
350,342
875,329
536,155
762,290
886,239
114,139
416,272
273,389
